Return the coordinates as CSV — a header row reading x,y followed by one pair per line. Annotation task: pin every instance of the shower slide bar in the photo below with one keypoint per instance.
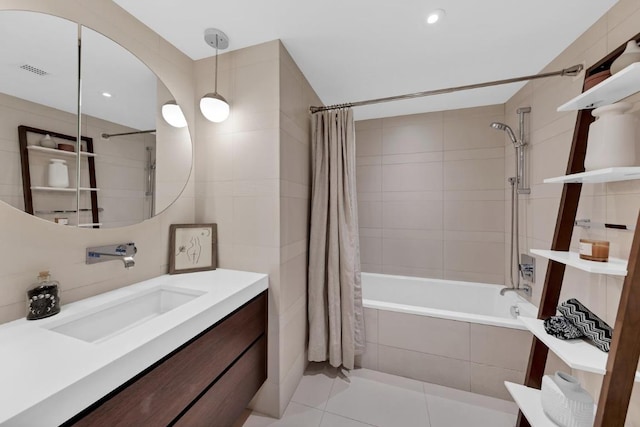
x,y
571,71
587,224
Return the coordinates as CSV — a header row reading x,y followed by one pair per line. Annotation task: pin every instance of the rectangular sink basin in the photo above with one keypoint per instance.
x,y
116,317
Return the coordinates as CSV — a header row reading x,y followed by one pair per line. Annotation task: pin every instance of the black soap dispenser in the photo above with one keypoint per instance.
x,y
43,298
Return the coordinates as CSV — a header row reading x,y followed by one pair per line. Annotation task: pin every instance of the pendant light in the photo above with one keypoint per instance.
x,y
172,114
213,105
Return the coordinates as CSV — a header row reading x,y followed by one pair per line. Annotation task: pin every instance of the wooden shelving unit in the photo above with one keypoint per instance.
x,y
619,366
28,189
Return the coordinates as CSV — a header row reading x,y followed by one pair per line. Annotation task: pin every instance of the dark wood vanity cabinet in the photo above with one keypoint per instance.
x,y
206,382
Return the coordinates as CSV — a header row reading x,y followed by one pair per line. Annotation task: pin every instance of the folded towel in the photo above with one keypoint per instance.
x,y
594,328
561,328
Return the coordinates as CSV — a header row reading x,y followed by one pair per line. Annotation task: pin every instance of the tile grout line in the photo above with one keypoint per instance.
x,y
426,402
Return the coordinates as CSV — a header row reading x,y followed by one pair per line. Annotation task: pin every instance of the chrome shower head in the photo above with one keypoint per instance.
x,y
507,129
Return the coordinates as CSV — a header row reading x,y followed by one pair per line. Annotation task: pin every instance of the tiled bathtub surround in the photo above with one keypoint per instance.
x,y
431,195
462,355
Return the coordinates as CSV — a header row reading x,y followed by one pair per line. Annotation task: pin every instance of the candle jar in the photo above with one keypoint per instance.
x,y
594,250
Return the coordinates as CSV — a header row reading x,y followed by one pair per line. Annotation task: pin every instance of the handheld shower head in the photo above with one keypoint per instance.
x,y
507,129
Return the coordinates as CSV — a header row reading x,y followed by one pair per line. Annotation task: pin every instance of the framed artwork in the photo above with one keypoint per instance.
x,y
192,247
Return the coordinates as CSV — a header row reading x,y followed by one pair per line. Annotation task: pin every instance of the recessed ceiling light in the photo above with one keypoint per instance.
x,y
435,16
106,94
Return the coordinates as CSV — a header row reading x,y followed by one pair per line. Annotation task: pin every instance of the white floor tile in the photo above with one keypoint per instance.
x,y
469,398
296,415
452,413
332,420
315,386
379,399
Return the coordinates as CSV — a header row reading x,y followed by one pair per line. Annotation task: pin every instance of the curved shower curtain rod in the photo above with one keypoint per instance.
x,y
571,71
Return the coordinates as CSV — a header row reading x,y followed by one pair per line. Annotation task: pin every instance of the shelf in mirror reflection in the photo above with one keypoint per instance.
x,y
66,190
160,161
56,152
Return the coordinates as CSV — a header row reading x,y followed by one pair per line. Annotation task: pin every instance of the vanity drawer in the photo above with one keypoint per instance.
x,y
223,403
158,396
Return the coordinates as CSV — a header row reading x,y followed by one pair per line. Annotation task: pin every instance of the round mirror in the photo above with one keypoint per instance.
x,y
131,164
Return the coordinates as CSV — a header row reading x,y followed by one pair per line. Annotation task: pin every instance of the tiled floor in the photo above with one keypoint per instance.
x,y
360,398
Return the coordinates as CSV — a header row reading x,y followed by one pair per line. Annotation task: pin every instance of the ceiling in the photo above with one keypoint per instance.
x,y
52,77
353,50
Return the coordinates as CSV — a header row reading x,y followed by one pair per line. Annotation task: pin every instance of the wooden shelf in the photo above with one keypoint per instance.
x,y
530,403
578,354
614,267
56,152
65,190
598,176
54,189
615,88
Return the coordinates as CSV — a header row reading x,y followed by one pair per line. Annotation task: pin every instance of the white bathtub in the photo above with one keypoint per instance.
x,y
446,299
456,334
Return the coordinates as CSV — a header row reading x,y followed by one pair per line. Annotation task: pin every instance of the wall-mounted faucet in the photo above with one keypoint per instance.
x,y
122,251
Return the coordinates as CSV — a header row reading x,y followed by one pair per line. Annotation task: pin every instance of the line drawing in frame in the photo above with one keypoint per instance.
x,y
192,247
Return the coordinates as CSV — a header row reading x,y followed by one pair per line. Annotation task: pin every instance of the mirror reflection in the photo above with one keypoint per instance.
x,y
132,164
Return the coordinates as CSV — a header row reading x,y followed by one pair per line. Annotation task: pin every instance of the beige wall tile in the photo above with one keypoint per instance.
x,y
474,257
394,159
256,155
368,179
423,215
425,367
412,139
416,253
371,251
256,221
370,214
481,153
369,359
371,324
500,347
474,215
425,334
253,86
397,270
412,177
472,133
477,174
489,380
496,278
368,142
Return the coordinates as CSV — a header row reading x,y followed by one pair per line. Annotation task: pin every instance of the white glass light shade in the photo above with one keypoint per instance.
x,y
214,107
172,114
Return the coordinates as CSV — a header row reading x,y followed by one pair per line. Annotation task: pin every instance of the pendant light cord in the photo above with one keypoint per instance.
x,y
215,89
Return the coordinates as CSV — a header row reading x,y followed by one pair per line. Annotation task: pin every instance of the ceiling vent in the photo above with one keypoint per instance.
x,y
34,70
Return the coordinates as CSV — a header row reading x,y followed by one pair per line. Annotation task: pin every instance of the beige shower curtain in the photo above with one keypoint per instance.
x,y
336,325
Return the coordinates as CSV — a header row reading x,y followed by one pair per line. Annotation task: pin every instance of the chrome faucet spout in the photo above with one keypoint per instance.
x,y
524,288
122,251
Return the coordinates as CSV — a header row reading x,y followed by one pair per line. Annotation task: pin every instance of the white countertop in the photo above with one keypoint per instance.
x,y
47,377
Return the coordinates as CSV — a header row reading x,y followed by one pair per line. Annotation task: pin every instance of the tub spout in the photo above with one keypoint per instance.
x,y
524,288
